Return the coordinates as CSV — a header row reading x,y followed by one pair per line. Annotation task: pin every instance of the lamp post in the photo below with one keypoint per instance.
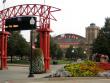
x,y
73,53
32,22
84,54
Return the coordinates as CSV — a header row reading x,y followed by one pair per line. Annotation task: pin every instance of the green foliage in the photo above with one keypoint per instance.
x,y
80,53
38,41
75,53
37,52
101,45
55,50
19,62
17,45
87,68
69,54
37,61
59,54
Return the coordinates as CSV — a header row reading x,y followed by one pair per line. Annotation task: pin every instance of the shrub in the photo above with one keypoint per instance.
x,y
104,65
87,68
37,61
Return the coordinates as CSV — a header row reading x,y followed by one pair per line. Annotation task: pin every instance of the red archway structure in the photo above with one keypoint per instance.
x,y
43,14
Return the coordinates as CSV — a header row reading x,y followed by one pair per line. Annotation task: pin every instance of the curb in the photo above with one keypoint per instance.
x,y
20,65
69,78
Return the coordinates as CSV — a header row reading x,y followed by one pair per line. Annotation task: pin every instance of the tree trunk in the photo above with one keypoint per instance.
x,y
11,58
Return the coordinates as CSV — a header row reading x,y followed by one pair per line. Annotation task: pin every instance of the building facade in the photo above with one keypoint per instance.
x,y
67,39
91,33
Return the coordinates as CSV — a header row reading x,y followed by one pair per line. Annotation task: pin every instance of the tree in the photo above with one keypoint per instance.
x,y
55,50
23,48
37,43
37,61
75,53
69,52
101,44
17,45
11,47
81,53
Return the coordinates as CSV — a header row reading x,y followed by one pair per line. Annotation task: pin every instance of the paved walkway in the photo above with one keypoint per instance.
x,y
19,74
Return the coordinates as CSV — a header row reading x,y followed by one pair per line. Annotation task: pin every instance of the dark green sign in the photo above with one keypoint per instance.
x,y
20,23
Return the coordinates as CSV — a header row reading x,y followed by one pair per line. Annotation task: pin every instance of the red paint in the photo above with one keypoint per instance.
x,y
44,14
3,49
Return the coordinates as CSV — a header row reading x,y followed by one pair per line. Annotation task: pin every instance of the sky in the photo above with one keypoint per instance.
x,y
74,16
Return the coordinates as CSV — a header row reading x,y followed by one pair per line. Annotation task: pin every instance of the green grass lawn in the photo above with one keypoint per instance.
x,y
19,62
62,61
51,62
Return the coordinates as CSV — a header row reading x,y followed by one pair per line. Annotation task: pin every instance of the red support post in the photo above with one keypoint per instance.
x,y
3,49
45,49
45,45
2,52
48,50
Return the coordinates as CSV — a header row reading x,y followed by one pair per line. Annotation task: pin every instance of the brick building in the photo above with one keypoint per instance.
x,y
67,39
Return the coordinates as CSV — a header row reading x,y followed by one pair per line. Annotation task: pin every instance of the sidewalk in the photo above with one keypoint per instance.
x,y
53,69
19,74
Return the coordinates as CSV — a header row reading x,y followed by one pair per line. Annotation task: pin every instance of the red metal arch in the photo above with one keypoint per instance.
x,y
29,9
43,14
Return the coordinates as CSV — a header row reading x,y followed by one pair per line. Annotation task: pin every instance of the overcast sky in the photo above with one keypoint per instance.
x,y
74,16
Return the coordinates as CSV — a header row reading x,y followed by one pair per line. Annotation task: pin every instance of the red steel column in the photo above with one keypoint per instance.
x,y
3,50
45,50
48,50
0,52
43,46
2,45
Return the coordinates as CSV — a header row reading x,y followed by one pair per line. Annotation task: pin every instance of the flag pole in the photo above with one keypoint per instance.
x,y
44,2
4,4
